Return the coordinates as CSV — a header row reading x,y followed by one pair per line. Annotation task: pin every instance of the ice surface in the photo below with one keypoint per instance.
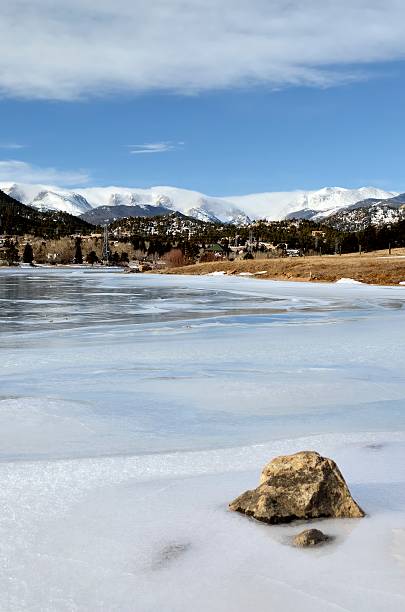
x,y
133,408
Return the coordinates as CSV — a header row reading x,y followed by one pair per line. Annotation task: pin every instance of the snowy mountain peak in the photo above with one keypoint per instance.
x,y
273,206
70,202
45,197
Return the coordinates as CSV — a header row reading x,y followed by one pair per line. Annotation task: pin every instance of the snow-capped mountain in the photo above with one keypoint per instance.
x,y
275,206
365,213
103,215
233,209
80,201
190,203
45,197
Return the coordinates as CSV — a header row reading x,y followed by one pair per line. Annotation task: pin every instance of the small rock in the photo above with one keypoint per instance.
x,y
300,486
310,537
171,552
375,446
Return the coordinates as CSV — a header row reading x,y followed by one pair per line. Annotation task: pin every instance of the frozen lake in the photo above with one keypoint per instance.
x,y
134,407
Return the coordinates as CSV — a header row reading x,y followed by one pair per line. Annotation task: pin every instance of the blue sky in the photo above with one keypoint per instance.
x,y
302,123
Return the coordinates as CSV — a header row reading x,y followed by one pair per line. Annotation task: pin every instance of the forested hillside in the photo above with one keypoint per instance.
x,y
18,219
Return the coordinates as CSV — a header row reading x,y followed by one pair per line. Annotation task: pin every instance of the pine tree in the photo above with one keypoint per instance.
x,y
92,258
28,254
11,252
78,252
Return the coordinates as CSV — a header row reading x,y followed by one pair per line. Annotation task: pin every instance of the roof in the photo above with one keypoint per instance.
x,y
215,248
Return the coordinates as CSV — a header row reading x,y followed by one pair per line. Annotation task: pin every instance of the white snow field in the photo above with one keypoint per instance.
x,y
133,408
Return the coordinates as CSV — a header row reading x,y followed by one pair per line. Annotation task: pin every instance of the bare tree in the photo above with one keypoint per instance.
x,y
175,258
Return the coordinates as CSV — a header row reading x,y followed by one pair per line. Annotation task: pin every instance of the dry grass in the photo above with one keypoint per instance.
x,y
372,268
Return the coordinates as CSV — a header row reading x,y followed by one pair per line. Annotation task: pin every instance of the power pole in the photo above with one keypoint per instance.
x,y
250,241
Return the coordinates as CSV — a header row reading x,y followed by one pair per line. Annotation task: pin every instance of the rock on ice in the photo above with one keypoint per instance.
x,y
300,486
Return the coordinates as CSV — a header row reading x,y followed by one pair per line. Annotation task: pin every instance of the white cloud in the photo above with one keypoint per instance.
x,y
154,147
18,171
12,145
73,48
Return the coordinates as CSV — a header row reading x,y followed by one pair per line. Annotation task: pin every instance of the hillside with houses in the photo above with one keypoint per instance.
x,y
175,239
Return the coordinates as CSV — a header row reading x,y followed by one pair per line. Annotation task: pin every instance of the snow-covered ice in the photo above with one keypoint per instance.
x,y
134,407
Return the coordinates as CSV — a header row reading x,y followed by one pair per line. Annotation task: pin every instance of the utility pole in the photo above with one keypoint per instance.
x,y
250,240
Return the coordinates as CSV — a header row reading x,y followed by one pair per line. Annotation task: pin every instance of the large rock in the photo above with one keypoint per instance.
x,y
300,486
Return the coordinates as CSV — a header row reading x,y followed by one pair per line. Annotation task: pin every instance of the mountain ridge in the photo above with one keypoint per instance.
x,y
366,213
18,218
272,206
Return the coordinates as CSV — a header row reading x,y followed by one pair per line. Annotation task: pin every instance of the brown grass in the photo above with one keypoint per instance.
x,y
372,268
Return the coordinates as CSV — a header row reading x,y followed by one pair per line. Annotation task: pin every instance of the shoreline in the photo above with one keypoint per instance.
x,y
372,269
379,268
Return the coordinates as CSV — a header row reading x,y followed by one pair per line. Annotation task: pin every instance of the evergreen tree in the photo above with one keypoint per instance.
x,y
78,252
92,258
28,254
11,252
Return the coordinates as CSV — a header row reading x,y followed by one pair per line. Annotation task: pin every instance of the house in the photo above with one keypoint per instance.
x,y
216,249
4,239
212,252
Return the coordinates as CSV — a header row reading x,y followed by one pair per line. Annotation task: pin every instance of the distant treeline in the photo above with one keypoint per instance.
x,y
159,234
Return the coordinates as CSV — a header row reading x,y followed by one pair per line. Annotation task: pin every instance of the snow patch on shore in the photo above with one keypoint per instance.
x,y
348,281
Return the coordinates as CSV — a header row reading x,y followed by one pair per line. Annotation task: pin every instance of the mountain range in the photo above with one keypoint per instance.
x,y
105,204
372,211
17,218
